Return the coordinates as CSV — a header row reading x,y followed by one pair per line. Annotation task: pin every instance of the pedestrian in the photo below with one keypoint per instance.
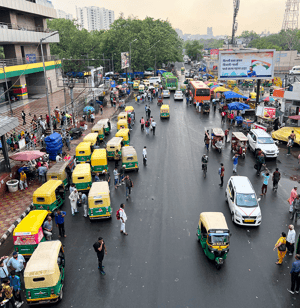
x,y
17,263
293,137
68,139
289,145
235,159
122,175
8,291
146,110
281,248
149,112
260,161
129,122
100,249
142,121
145,156
132,117
42,170
264,187
138,98
106,176
73,200
223,117
227,134
187,97
295,275
15,283
48,227
295,207
54,122
84,203
72,187
128,186
116,177
147,126
292,197
23,180
60,222
123,218
231,118
96,178
221,173
4,272
190,99
24,117
101,109
290,240
276,178
153,127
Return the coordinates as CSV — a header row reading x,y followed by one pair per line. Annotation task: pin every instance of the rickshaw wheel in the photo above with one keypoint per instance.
x,y
61,294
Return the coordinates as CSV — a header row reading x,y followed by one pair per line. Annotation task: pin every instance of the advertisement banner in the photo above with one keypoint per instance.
x,y
30,58
246,64
124,60
26,238
269,113
214,54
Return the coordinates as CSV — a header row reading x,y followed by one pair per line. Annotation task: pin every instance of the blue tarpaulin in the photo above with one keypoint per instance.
x,y
238,106
231,94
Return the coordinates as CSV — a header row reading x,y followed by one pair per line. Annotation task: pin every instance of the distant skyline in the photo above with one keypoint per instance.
x,y
194,16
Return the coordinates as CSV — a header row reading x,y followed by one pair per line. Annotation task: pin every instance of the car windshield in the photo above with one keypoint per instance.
x,y
218,239
202,92
246,200
172,80
265,140
166,91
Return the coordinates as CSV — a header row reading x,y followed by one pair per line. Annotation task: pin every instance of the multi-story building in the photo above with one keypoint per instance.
x,y
23,23
94,18
63,14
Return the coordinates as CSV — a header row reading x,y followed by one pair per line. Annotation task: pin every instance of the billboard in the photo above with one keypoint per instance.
x,y
214,54
246,64
124,60
30,58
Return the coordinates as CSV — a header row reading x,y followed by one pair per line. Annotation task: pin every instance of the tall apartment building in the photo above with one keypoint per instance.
x,y
63,14
95,18
23,23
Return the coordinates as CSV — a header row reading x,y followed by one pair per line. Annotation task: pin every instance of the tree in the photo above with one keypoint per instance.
x,y
249,36
194,49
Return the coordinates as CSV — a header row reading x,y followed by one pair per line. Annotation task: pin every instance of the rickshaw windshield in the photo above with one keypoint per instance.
x,y
265,140
246,200
218,239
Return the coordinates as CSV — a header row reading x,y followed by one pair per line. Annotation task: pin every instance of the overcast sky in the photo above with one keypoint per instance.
x,y
194,16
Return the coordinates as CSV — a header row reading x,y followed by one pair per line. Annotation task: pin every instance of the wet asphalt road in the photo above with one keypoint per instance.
x,y
160,263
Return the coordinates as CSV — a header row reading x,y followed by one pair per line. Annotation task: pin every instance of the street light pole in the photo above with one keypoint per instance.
x,y
45,77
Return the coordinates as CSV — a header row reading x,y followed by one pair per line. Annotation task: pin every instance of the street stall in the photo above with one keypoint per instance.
x,y
265,118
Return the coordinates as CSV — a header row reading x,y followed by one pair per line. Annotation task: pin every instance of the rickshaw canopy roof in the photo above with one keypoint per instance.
x,y
128,151
240,136
58,168
82,169
31,223
99,154
127,108
98,189
164,107
84,146
98,126
122,114
213,221
122,121
91,137
103,121
115,141
122,132
47,189
218,132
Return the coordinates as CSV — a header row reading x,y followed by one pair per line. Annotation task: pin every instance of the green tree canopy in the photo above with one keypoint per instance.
x,y
193,49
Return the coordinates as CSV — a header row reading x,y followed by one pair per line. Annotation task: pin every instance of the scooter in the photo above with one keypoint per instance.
x,y
219,146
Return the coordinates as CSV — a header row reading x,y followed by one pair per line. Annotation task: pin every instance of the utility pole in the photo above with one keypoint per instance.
x,y
11,112
236,6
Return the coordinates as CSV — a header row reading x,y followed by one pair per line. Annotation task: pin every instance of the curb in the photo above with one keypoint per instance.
x,y
13,226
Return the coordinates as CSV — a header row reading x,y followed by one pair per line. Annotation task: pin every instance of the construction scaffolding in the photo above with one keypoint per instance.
x,y
290,20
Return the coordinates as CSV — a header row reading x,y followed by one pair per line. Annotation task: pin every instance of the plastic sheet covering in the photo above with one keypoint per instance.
x,y
284,133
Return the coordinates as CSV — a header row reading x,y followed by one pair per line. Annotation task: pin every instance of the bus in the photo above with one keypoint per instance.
x,y
200,91
169,81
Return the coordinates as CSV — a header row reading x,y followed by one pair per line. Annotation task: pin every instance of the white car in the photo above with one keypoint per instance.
x,y
260,139
166,93
243,204
178,95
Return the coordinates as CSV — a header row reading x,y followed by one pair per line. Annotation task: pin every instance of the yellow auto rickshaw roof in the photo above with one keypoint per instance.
x,y
128,151
84,146
127,108
164,107
32,222
97,126
99,154
122,121
123,113
58,168
213,221
114,141
98,189
47,189
218,132
82,169
43,261
103,121
122,132
240,136
91,137
141,86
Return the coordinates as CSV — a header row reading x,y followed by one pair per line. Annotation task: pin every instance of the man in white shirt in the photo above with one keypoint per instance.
x,y
153,126
145,156
123,218
116,176
290,240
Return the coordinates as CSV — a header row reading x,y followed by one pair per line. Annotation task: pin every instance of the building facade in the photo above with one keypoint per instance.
x,y
95,18
64,15
23,24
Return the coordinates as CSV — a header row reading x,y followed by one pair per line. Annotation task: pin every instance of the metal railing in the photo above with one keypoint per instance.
x,y
4,25
20,61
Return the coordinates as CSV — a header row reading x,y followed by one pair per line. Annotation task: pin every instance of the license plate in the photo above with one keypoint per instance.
x,y
249,220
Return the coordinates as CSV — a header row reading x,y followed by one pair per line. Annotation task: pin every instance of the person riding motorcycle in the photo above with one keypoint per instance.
x,y
204,161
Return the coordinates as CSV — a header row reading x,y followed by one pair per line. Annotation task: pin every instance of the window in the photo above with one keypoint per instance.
x,y
80,178
254,137
40,199
219,239
129,158
202,92
38,279
246,200
265,140
98,202
54,177
81,152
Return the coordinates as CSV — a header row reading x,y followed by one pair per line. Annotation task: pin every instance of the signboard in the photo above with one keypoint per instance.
x,y
124,60
96,76
26,238
214,54
258,126
269,113
246,64
30,58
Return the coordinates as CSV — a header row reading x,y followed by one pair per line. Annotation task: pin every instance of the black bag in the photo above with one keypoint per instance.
x,y
79,203
282,247
255,166
131,184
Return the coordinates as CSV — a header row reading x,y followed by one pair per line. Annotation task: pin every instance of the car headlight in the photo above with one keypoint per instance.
x,y
258,216
238,214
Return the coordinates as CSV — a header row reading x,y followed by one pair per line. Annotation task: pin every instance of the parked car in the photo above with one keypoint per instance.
x,y
295,70
178,95
260,139
166,93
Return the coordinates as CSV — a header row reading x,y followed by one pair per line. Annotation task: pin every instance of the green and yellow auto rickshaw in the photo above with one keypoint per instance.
x,y
106,125
214,236
125,134
113,147
129,158
82,177
99,129
99,161
83,152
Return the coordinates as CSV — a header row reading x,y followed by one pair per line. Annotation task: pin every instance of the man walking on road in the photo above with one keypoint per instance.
x,y
295,275
235,159
260,162
221,173
24,117
153,127
60,222
84,202
264,187
226,134
142,121
290,240
123,218
128,185
100,248
149,112
116,177
145,156
276,178
147,126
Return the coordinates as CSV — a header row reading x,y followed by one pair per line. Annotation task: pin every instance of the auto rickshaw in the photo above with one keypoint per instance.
x,y
92,138
98,129
239,143
99,161
58,172
183,88
206,107
141,88
99,201
182,70
262,90
165,111
83,152
106,125
50,196
125,134
160,100
122,115
214,236
129,109
129,158
231,84
217,136
44,274
29,232
187,80
252,95
82,177
122,124
146,82
114,145
136,85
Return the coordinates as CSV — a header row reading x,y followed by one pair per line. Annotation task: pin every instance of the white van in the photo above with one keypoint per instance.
x,y
242,201
295,70
154,80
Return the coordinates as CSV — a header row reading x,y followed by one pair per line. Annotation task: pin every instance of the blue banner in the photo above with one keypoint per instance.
x,y
31,58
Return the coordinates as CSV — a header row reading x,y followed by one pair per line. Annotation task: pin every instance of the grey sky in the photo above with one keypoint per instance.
x,y
194,16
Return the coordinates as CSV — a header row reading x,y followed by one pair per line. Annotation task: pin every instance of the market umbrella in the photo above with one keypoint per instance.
x,y
269,99
233,106
221,89
244,106
150,69
231,94
88,108
27,155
